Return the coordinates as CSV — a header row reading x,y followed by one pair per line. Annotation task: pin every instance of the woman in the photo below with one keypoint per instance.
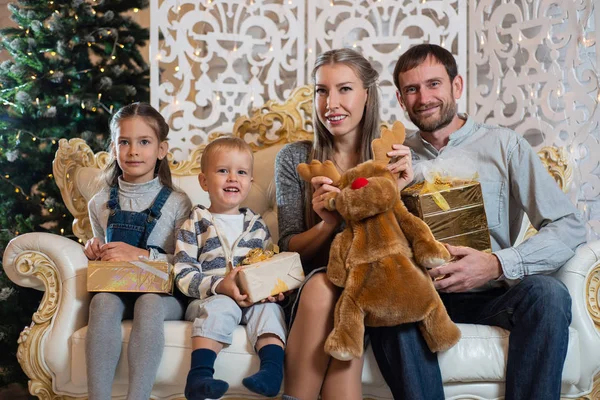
x,y
346,120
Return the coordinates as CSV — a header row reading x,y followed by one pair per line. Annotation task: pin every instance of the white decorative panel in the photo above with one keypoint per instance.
x,y
382,30
533,67
219,59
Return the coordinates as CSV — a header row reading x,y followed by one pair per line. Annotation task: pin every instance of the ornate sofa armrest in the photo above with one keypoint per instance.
x,y
58,266
581,275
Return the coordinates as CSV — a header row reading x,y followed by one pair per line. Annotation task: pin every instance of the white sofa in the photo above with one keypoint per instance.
x,y
52,349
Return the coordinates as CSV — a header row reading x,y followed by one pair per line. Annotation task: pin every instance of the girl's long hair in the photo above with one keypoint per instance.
x,y
158,124
322,146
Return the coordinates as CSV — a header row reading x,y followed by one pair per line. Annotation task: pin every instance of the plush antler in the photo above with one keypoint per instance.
x,y
316,168
383,145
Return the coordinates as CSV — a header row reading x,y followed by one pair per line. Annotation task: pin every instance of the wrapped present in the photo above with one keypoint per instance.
x,y
130,276
453,210
276,273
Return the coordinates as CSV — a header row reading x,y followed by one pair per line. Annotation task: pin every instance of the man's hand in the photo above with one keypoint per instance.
x,y
471,268
92,248
403,165
228,287
121,251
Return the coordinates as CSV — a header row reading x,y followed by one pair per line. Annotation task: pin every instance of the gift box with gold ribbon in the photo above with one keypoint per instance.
x,y
453,210
270,274
132,276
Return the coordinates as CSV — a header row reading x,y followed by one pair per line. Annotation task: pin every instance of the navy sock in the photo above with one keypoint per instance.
x,y
267,381
200,384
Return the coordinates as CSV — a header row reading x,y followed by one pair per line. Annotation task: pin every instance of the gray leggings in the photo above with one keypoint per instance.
x,y
146,342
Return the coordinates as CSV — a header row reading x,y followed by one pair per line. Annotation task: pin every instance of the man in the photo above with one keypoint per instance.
x,y
535,308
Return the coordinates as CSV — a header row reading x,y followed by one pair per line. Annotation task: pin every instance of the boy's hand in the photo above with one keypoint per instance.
x,y
92,248
274,299
278,297
228,287
120,251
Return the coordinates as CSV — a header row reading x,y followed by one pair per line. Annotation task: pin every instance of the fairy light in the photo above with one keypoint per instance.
x,y
111,109
113,57
135,10
121,45
99,96
271,48
67,98
82,105
101,69
51,71
354,45
33,139
177,69
37,101
197,52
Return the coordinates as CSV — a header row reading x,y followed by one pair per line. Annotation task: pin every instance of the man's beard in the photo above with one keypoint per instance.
x,y
447,113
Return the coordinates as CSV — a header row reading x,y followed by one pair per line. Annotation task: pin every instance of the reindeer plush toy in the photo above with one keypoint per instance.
x,y
381,256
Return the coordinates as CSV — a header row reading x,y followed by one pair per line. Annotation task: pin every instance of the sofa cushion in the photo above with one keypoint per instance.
x,y
479,356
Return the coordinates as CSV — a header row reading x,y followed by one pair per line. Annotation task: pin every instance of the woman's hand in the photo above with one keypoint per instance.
x,y
121,251
403,165
229,288
92,248
321,186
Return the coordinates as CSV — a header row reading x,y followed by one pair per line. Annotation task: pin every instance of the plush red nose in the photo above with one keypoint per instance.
x,y
359,182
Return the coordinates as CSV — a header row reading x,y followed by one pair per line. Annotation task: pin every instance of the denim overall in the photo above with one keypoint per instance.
x,y
134,227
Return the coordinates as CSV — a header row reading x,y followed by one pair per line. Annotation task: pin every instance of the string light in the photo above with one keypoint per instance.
x,y
135,10
99,96
66,98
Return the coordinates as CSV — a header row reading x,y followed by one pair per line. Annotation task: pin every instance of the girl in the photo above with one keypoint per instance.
x,y
135,216
346,118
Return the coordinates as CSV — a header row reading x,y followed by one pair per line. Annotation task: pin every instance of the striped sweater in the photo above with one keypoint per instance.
x,y
201,259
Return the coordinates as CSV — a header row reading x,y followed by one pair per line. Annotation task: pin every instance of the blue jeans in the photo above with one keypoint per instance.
x,y
537,312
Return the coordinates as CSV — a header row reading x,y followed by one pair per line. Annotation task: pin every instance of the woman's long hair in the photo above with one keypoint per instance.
x,y
158,124
322,147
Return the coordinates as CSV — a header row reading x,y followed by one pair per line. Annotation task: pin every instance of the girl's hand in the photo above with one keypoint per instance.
x,y
92,248
402,166
321,186
228,287
120,251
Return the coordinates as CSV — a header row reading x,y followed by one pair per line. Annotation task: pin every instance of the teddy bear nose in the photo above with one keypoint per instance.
x,y
359,183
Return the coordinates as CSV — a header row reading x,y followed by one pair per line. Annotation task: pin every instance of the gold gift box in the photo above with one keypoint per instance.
x,y
132,276
457,217
278,274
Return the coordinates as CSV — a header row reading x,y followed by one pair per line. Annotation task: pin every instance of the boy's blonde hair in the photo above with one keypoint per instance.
x,y
225,143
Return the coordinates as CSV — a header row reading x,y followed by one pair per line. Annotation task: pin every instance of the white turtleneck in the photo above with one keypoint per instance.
x,y
138,197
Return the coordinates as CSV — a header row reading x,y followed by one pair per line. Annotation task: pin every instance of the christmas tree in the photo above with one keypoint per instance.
x,y
73,63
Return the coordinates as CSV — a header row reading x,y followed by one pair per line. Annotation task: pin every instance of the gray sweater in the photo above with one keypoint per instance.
x,y
290,194
138,197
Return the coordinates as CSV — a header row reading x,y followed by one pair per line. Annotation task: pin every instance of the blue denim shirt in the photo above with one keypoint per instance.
x,y
514,182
